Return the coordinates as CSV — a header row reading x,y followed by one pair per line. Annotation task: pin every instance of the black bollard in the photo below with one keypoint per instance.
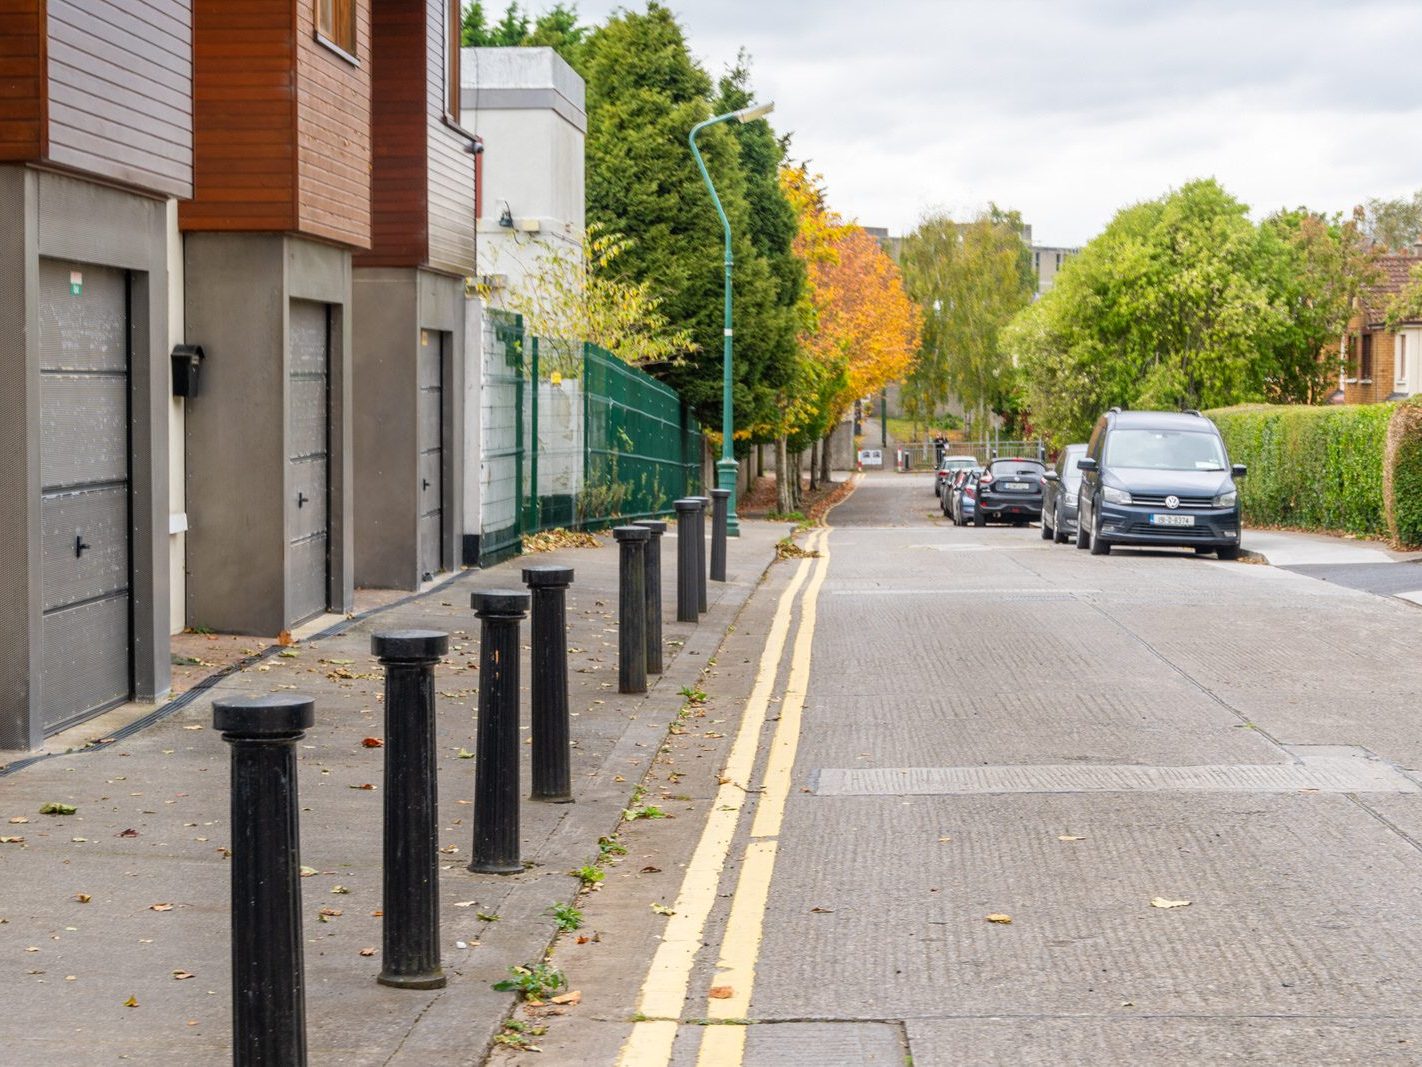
x,y
268,973
686,559
496,758
705,502
652,581
552,733
410,925
631,608
720,499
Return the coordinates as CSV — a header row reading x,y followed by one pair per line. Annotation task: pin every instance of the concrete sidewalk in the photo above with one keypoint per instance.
x,y
114,921
1368,566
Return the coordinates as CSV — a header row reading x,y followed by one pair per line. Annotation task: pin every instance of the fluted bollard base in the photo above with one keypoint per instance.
x,y
631,608
552,732
268,968
496,759
720,502
410,924
652,561
686,559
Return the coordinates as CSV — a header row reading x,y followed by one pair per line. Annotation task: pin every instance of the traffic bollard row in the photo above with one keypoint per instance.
x,y
268,970
720,499
410,924
705,502
551,725
652,580
496,761
631,608
686,559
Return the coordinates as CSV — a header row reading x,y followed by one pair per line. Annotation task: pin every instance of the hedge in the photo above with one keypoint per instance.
x,y
1354,468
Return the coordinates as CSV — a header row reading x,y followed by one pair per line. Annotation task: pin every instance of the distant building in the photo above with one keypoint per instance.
x,y
1047,261
1381,363
891,245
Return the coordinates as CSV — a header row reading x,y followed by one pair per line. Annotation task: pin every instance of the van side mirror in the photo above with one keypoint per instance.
x,y
1086,463
1239,470
1051,476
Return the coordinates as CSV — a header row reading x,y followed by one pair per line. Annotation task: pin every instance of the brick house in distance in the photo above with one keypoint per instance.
x,y
1382,364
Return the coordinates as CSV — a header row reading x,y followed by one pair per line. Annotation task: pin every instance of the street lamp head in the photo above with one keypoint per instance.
x,y
750,114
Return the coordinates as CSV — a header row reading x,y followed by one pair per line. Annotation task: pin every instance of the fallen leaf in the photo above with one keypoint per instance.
x,y
372,742
131,1002
583,939
367,785
943,840
464,753
450,850
1161,902
182,975
651,870
130,832
367,952
285,639
330,913
574,997
1005,920
160,907
53,807
1070,837
465,903
822,911
83,898
17,819
339,889
307,872
662,909
12,840
721,992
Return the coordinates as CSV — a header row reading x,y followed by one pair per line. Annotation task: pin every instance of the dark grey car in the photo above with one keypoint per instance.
x,y
1059,496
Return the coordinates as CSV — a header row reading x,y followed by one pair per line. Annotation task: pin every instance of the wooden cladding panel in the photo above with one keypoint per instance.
x,y
120,91
22,80
451,166
244,99
333,146
399,220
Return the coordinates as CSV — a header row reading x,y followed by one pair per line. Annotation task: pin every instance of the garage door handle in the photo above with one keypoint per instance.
x,y
425,483
301,499
79,546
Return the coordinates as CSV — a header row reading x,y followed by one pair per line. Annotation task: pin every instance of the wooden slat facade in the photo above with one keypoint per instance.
x,y
23,132
422,181
283,123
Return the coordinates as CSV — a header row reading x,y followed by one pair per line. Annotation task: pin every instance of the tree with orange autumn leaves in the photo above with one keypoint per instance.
x,y
859,330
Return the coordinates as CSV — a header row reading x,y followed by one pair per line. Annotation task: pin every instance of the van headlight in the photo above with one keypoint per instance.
x,y
1227,500
1115,496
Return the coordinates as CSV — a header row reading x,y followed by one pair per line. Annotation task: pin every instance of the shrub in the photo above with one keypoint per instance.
x,y
1353,468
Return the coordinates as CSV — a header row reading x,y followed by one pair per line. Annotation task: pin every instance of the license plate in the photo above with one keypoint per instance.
x,y
1172,520
1017,487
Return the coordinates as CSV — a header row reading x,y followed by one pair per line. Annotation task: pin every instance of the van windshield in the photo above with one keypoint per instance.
x,y
1164,450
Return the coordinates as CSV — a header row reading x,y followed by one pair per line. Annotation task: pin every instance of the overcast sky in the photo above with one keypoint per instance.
x,y
1069,110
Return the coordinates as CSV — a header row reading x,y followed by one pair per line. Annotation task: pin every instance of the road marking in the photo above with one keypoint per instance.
x,y
724,1046
664,989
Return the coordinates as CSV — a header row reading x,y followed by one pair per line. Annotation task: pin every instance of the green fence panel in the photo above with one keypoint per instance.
x,y
642,449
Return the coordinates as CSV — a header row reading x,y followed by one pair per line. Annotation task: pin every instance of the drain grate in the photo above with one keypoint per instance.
x,y
1321,774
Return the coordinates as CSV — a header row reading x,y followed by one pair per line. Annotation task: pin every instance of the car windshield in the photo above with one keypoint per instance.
x,y
1071,473
1017,468
1165,450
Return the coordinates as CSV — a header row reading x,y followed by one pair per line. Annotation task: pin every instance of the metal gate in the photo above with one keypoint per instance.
x,y
308,449
86,631
431,446
502,456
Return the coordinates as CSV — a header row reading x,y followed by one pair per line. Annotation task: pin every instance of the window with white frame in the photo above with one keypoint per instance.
x,y
1400,363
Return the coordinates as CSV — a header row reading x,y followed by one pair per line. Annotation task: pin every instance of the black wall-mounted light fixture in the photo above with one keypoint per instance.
x,y
506,217
187,361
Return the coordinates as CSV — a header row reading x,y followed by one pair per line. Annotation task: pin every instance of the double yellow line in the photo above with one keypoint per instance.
x,y
665,987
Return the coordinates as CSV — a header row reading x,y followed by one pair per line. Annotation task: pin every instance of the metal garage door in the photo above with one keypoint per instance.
x,y
308,449
431,444
86,628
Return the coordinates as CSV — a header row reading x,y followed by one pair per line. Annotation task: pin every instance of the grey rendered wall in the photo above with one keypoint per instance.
x,y
54,215
391,307
238,289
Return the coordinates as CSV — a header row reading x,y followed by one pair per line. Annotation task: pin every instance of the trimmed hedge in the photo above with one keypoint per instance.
x,y
1354,468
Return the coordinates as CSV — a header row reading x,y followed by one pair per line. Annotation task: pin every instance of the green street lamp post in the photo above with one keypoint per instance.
x,y
726,467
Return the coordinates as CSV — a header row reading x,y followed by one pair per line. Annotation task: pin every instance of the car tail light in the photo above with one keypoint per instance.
x,y
968,491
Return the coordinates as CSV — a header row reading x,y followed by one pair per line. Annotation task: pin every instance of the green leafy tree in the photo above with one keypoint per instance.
x,y
1394,225
970,279
1183,302
644,94
476,32
557,28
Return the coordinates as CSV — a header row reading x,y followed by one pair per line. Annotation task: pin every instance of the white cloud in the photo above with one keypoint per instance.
x,y
1069,110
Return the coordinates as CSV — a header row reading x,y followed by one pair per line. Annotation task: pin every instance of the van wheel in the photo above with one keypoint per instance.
x,y
1099,545
1083,539
1059,535
1228,552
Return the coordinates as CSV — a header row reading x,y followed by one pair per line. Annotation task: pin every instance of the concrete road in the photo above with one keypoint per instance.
x,y
969,797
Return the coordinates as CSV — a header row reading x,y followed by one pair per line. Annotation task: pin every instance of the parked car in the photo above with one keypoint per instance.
x,y
1158,478
949,466
1009,490
1059,496
951,488
965,498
